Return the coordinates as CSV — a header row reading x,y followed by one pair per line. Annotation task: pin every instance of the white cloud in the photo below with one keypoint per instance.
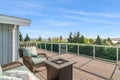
x,y
21,7
91,20
52,22
89,13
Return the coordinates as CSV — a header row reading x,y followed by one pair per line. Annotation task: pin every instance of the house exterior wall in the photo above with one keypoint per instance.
x,y
6,43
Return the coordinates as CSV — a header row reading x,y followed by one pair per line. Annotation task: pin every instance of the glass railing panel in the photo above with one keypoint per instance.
x,y
72,48
42,45
86,50
48,46
108,53
55,47
62,48
119,54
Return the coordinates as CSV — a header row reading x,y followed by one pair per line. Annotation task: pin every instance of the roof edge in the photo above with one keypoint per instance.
x,y
14,20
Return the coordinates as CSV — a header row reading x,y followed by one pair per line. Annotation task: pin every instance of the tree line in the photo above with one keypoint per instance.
x,y
78,38
27,38
72,38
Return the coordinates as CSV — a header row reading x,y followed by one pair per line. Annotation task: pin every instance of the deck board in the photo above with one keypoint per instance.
x,y
85,69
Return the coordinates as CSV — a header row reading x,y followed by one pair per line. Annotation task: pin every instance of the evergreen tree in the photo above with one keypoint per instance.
x,y
49,39
70,39
20,37
108,39
98,41
39,39
60,38
27,38
77,36
74,38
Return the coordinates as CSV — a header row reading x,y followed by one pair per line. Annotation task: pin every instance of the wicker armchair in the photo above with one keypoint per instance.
x,y
33,62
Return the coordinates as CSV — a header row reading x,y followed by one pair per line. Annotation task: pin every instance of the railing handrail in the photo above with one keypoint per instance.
x,y
74,44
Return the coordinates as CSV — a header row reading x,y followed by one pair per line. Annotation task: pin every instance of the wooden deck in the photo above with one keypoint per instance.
x,y
85,68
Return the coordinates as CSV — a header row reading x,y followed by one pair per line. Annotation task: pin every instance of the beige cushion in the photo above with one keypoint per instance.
x,y
9,78
38,59
24,75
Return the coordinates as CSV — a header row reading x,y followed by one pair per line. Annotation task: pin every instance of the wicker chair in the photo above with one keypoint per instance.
x,y
33,62
11,65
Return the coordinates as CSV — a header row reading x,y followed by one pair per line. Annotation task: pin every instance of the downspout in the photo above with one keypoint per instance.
x,y
13,42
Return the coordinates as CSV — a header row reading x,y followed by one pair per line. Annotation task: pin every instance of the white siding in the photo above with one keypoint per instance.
x,y
6,43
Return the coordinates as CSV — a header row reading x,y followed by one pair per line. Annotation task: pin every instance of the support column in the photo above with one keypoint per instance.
x,y
13,42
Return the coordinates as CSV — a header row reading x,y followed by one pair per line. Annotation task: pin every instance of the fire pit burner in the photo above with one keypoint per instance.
x,y
59,61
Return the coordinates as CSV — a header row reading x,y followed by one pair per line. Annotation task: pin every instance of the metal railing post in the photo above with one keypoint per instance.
x,y
78,50
51,47
45,47
117,57
36,44
93,52
66,48
59,48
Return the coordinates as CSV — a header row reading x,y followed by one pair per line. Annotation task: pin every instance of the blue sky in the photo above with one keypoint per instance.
x,y
52,18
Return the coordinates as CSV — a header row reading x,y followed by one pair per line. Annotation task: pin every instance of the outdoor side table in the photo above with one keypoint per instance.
x,y
59,69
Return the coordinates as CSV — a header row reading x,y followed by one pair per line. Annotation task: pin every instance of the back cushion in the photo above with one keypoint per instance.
x,y
0,70
26,52
29,51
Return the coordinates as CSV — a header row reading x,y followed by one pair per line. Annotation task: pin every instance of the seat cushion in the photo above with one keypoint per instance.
x,y
9,78
24,75
38,59
0,70
29,51
24,68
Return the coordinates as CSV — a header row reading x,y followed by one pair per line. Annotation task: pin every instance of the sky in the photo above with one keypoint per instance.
x,y
54,18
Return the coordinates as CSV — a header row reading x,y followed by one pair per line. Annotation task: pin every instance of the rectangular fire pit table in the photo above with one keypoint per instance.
x,y
59,69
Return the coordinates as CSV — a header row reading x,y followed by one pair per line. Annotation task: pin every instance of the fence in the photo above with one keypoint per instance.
x,y
109,53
